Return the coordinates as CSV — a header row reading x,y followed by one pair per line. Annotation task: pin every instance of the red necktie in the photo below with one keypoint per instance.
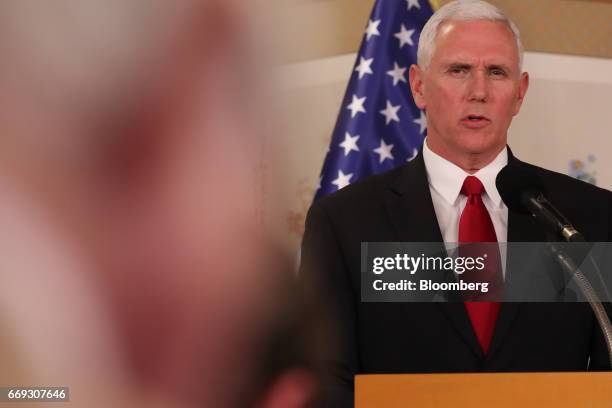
x,y
475,225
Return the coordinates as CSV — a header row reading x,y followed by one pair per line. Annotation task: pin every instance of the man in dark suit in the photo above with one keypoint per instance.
x,y
469,81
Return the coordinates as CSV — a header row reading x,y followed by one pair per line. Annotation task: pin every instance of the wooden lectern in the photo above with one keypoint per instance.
x,y
592,389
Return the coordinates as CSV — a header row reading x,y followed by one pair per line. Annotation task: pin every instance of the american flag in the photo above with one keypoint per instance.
x,y
379,126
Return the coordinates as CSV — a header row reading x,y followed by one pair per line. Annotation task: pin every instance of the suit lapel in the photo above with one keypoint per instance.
x,y
411,211
521,228
410,207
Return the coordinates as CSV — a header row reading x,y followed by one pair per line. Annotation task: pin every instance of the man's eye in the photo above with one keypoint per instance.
x,y
457,70
498,72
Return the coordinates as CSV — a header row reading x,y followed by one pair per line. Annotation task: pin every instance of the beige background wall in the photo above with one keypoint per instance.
x,y
314,29
566,116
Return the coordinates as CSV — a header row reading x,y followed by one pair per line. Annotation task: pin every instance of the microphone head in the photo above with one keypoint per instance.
x,y
516,184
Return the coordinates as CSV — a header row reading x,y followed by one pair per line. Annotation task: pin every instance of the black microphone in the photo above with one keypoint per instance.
x,y
522,190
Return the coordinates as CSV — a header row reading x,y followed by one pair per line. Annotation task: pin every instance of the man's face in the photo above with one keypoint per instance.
x,y
471,90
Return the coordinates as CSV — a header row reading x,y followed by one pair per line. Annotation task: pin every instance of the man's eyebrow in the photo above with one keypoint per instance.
x,y
458,65
503,67
467,65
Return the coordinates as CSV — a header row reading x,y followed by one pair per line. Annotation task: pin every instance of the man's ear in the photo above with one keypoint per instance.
x,y
523,86
415,76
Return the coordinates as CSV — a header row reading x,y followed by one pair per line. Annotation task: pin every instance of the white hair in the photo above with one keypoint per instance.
x,y
462,10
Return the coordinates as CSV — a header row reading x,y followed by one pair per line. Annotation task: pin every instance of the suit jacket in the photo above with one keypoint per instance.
x,y
438,337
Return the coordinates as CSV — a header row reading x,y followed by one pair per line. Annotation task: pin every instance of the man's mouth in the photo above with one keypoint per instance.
x,y
475,118
475,121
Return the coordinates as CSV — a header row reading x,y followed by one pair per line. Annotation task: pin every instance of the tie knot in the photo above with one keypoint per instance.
x,y
471,186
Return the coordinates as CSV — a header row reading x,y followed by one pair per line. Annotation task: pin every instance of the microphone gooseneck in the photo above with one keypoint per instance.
x,y
523,191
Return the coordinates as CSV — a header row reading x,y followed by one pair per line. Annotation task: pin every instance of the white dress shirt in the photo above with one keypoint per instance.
x,y
445,181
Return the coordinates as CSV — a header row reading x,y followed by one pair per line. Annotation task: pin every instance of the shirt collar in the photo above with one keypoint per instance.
x,y
447,178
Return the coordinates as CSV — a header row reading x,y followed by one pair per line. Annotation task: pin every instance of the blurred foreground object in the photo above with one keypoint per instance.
x,y
134,268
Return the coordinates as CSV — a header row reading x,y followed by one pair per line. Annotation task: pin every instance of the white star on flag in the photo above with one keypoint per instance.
x,y
372,29
384,151
356,105
350,143
364,67
413,3
404,36
397,73
414,154
422,122
343,180
390,113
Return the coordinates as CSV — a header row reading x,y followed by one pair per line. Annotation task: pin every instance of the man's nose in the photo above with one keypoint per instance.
x,y
478,88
